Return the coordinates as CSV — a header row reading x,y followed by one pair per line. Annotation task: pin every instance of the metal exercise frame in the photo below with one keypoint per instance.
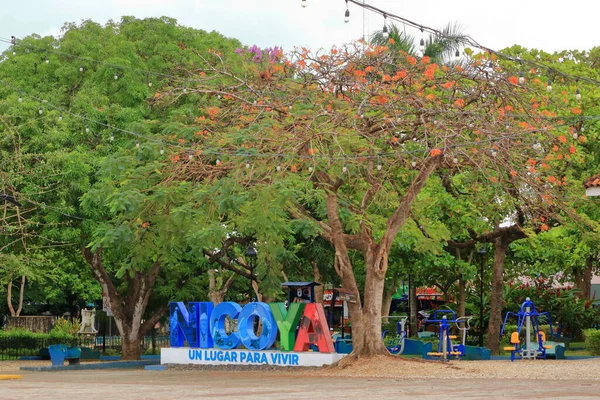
x,y
446,348
396,345
527,316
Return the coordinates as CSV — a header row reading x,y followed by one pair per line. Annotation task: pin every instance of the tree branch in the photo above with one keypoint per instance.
x,y
398,218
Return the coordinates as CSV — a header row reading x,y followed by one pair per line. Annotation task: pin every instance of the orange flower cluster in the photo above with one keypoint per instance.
x,y
430,71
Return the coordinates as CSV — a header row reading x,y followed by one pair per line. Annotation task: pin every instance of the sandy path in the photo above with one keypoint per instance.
x,y
373,379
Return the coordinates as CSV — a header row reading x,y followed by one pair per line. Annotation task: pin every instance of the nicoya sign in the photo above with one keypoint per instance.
x,y
204,326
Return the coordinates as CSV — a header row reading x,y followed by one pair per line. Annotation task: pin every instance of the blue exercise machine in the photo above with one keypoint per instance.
x,y
446,346
395,345
528,317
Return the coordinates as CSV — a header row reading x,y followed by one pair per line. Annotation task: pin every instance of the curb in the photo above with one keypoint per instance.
x,y
155,367
8,377
95,366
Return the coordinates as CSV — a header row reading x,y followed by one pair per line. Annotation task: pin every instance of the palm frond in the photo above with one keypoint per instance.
x,y
401,40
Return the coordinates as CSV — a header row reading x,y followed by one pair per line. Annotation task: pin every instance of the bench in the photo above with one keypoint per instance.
x,y
416,347
60,352
556,350
343,346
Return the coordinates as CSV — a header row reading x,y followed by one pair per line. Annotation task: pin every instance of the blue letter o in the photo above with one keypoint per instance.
x,y
246,328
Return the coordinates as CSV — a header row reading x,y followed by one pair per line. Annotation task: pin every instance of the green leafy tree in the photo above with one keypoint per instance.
x,y
339,141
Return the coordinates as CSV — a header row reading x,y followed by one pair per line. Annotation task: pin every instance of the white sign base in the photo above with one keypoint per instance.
x,y
187,355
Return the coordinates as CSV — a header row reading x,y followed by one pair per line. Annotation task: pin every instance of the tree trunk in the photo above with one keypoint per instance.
x,y
366,319
387,297
21,294
9,287
317,278
215,294
9,299
386,304
462,296
583,279
413,311
128,308
495,318
131,348
368,341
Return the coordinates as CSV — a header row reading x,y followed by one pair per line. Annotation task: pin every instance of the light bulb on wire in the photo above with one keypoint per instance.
x,y
47,60
521,78
81,68
137,143
344,168
162,150
112,137
247,165
278,167
549,86
347,15
457,54
116,76
577,94
304,3
60,117
87,129
150,84
384,31
414,163
422,44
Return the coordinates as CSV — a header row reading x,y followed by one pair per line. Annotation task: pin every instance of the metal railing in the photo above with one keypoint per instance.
x,y
13,348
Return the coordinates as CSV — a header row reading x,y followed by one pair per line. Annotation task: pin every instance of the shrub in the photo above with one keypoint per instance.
x,y
592,341
24,335
65,328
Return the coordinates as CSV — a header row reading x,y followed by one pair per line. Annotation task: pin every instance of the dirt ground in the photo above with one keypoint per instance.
x,y
372,379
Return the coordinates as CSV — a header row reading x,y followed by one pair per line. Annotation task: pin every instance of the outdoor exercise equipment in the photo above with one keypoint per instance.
x,y
446,346
529,317
395,345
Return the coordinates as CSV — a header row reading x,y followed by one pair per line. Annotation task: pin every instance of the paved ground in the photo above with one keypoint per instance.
x,y
172,384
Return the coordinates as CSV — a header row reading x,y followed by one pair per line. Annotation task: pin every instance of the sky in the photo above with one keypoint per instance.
x,y
550,25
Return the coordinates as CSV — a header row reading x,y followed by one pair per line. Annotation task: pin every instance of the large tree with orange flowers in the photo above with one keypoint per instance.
x,y
347,140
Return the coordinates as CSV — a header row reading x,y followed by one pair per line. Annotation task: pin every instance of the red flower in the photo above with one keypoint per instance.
x,y
514,80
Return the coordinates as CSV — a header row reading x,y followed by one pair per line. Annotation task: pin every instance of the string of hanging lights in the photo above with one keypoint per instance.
x,y
82,69
345,158
464,40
